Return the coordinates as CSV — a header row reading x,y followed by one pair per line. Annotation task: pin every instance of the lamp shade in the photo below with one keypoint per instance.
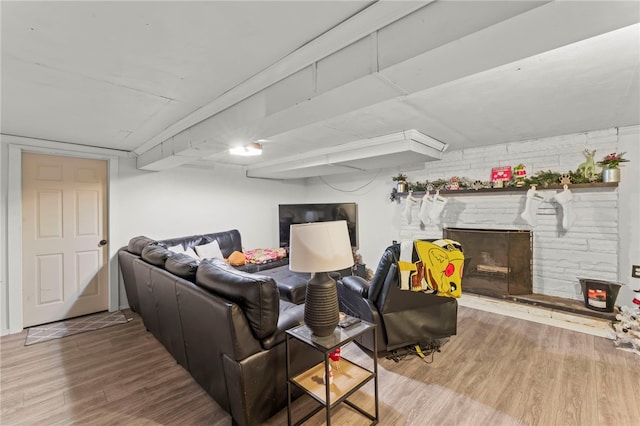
x,y
320,247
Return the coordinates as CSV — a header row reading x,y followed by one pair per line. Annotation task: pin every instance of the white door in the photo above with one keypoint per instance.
x,y
64,252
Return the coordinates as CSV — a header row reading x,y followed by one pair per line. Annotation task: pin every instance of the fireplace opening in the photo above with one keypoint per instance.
x,y
499,260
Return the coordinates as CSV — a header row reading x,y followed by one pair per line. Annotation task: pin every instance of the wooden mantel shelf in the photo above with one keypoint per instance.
x,y
495,191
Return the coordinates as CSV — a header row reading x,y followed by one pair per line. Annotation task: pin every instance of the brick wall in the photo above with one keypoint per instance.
x,y
589,248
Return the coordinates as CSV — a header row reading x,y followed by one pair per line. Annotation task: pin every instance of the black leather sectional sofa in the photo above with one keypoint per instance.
x,y
224,325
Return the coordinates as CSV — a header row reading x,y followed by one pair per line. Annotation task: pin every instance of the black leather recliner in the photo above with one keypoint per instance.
x,y
403,317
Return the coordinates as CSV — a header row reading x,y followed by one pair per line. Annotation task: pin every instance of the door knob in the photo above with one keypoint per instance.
x,y
102,242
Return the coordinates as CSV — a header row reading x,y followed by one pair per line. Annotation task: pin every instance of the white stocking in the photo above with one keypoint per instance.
x,y
423,214
565,199
534,199
436,208
408,206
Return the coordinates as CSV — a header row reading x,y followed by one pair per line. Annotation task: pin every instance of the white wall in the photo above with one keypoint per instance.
x,y
187,201
378,224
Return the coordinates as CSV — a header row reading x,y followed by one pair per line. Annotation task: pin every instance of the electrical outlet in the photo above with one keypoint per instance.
x,y
635,271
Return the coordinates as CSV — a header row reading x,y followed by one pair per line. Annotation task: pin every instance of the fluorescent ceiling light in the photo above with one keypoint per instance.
x,y
253,148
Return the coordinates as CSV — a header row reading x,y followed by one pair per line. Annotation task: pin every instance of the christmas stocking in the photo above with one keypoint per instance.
x,y
423,214
408,206
565,199
436,208
534,199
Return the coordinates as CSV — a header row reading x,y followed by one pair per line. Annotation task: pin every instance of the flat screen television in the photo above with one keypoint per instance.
x,y
291,214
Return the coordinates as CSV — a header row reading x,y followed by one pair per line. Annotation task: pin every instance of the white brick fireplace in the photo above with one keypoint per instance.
x,y
589,248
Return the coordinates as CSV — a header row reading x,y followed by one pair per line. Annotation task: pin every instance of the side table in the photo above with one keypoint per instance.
x,y
346,380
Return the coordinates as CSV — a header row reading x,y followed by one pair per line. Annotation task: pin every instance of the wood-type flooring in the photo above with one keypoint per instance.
x,y
497,370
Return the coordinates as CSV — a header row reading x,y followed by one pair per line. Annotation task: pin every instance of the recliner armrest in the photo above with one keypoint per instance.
x,y
352,302
357,285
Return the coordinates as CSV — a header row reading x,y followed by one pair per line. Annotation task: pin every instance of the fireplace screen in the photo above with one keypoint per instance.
x,y
499,260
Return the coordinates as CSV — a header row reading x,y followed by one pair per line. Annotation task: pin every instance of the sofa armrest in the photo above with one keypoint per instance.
x,y
357,285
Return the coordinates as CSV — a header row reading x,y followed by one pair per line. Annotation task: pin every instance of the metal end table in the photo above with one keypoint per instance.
x,y
346,380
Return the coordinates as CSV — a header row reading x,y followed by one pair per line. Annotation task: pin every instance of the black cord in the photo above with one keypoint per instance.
x,y
421,350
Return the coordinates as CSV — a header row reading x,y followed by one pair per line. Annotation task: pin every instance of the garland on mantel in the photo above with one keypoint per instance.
x,y
542,179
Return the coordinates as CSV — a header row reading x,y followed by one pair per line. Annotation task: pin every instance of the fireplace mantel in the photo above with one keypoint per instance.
x,y
496,191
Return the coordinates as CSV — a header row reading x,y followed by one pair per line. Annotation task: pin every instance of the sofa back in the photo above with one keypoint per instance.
x,y
137,244
125,261
213,328
256,295
183,266
156,255
168,322
229,241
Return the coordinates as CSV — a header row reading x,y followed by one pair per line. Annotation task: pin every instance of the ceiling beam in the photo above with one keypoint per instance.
x,y
376,16
388,150
409,65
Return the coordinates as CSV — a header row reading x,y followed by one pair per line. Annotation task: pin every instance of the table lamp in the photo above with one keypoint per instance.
x,y
319,248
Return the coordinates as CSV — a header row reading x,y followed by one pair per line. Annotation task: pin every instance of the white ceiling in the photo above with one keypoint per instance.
x,y
180,82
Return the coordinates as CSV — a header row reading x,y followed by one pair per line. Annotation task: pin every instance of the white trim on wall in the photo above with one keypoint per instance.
x,y
113,273
14,240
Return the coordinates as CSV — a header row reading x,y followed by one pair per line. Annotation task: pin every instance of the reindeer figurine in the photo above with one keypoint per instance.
x,y
588,168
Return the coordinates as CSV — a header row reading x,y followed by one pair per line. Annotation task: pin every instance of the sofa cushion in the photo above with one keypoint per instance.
x,y
229,241
291,315
209,251
176,249
192,253
156,255
256,295
183,266
291,285
136,244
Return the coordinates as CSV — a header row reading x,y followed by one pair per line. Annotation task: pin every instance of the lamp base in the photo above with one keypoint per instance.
x,y
321,310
